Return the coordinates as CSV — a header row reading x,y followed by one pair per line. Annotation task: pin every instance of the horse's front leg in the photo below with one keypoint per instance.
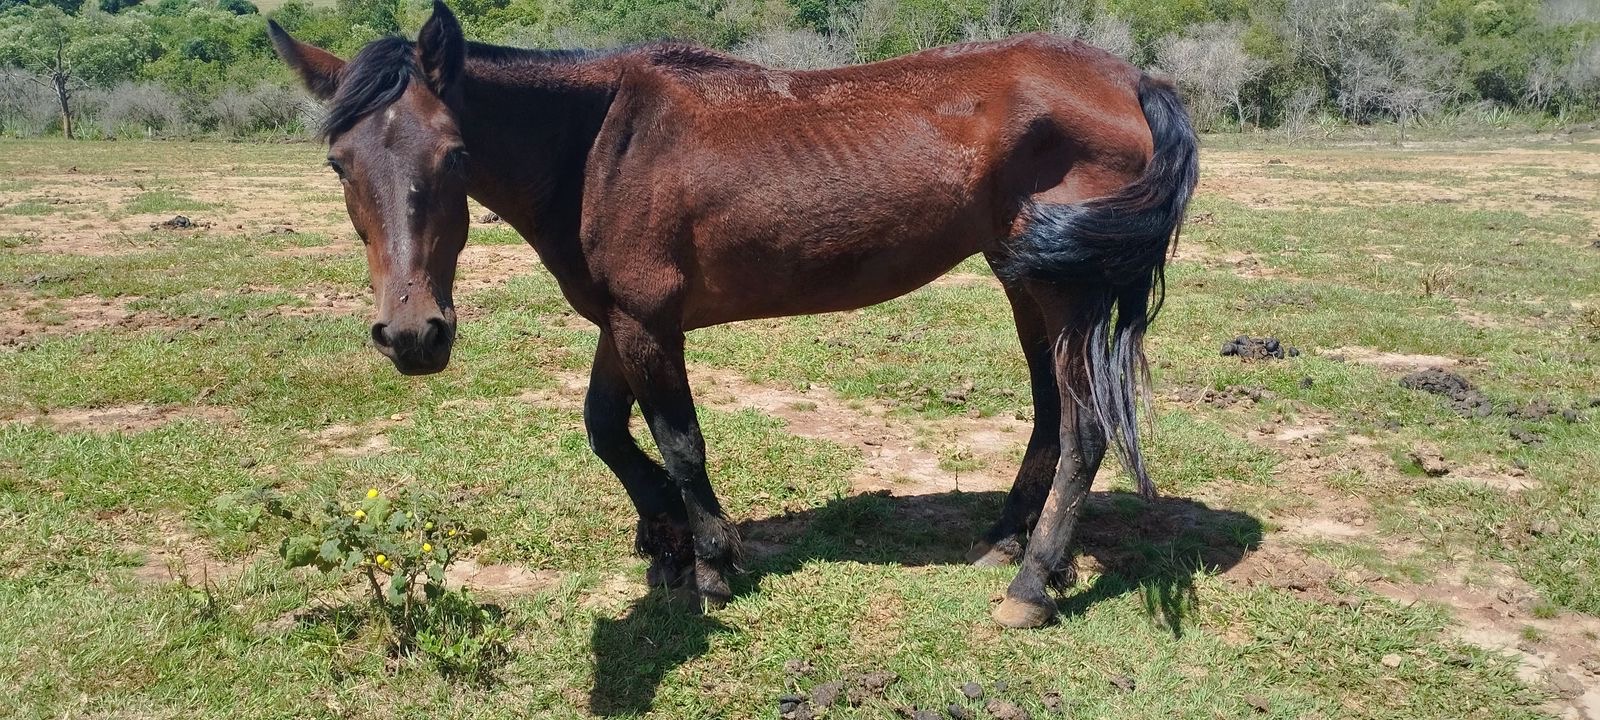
x,y
663,532
652,361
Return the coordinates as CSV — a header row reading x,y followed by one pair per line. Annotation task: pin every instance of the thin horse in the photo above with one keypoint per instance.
x,y
668,188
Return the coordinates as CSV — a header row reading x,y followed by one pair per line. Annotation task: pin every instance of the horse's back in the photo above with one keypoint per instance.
x,y
859,183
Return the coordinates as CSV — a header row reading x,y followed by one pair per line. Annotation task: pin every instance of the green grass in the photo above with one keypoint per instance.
x,y
163,201
850,582
28,208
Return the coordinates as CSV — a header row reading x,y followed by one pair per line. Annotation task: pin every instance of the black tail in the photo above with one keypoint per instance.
x,y
1115,249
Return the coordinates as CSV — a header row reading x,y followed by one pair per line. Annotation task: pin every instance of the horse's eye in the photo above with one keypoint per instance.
x,y
337,168
455,161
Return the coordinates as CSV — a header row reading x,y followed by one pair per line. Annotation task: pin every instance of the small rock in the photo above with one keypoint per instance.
x,y
972,690
1591,664
1543,527
489,218
1459,660
1259,703
797,667
1306,383
1124,683
247,463
1566,685
1571,416
959,713
1432,463
1005,710
1052,702
826,694
1390,661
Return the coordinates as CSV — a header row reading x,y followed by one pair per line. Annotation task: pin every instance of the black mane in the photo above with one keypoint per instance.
x,y
380,72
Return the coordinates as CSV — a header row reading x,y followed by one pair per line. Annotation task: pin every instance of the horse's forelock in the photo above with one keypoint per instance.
x,y
376,77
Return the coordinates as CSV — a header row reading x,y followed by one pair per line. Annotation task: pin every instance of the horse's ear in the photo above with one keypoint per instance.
x,y
317,68
442,50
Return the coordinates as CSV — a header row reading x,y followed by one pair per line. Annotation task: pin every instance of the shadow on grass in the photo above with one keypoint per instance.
x,y
1151,547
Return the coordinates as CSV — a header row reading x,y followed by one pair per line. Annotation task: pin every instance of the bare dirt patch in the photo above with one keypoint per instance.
x,y
1388,360
484,266
134,418
1559,652
180,557
350,440
892,458
27,317
500,580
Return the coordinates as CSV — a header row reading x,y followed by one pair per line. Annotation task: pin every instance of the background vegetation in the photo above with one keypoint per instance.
x,y
108,68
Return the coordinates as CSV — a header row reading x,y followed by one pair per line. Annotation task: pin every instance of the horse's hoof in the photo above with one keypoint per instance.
x,y
984,554
712,587
1023,615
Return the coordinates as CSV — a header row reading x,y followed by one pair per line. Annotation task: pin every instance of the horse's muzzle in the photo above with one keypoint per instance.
x,y
416,348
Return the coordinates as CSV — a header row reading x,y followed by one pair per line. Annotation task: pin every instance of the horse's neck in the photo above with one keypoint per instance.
x,y
528,132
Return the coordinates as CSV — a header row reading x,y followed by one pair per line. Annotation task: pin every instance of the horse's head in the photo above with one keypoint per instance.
x,y
395,145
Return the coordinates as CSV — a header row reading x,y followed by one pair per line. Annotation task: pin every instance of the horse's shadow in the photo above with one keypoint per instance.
x,y
1152,547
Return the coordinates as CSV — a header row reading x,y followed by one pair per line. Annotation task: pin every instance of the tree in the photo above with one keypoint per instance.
x,y
1212,67
67,53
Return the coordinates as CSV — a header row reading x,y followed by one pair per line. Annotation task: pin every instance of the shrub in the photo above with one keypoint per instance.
x,y
795,50
141,108
396,546
26,106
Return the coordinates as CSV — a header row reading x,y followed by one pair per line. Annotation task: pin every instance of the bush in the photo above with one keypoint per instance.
x,y
26,106
268,108
140,109
400,547
795,50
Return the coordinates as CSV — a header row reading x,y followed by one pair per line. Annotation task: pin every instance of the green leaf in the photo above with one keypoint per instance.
x,y
298,551
397,587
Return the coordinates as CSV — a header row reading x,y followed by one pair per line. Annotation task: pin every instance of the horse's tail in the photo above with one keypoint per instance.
x,y
1115,250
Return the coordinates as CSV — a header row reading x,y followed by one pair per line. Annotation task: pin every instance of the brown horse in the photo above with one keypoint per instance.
x,y
669,188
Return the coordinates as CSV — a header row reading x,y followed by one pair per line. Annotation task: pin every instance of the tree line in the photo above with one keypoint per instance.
x,y
106,68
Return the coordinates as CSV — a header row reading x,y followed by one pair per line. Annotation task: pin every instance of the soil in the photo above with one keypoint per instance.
x,y
1388,360
134,418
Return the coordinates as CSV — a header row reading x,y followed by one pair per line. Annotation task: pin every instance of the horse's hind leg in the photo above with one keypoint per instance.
x,y
1083,445
1004,542
652,360
663,533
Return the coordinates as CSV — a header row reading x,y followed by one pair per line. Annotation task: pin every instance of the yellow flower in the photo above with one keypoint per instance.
x,y
380,559
452,532
372,493
360,514
428,525
427,547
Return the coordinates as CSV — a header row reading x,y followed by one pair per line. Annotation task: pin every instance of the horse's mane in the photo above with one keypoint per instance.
x,y
380,72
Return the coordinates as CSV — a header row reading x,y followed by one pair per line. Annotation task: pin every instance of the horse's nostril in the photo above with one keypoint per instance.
x,y
438,334
380,335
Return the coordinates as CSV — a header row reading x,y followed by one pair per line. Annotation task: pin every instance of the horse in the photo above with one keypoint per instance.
x,y
668,187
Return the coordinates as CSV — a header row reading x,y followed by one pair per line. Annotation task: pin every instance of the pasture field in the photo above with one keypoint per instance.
x,y
1329,542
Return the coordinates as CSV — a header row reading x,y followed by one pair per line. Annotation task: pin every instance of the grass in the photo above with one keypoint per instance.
x,y
849,582
163,201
